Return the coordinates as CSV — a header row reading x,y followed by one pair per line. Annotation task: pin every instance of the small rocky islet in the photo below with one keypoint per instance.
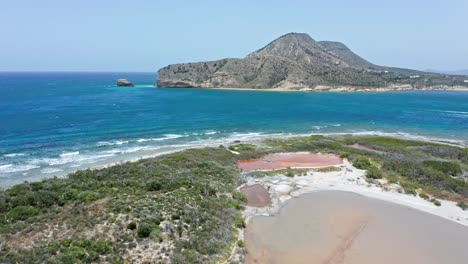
x,y
124,83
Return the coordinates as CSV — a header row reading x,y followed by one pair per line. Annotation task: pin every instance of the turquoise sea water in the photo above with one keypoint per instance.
x,y
54,123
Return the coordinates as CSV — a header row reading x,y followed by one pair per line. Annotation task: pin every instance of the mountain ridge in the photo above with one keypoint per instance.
x,y
295,61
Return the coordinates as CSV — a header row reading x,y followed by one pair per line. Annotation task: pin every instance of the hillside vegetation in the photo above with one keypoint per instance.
x,y
185,207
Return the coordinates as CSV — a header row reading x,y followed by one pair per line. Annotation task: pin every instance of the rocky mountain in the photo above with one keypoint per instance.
x,y
295,61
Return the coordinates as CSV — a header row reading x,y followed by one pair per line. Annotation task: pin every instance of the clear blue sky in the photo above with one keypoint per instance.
x,y
102,35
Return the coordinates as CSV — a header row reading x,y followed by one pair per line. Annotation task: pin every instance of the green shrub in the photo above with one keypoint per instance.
x,y
70,195
424,196
18,190
239,221
78,250
242,147
132,226
436,202
392,179
88,196
102,247
289,172
153,186
344,154
447,167
240,243
374,173
362,162
22,212
239,197
462,205
409,188
144,230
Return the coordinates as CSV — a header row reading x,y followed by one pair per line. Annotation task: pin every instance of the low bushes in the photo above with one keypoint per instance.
x,y
424,196
436,202
194,193
239,221
446,167
22,212
374,173
362,162
344,154
462,205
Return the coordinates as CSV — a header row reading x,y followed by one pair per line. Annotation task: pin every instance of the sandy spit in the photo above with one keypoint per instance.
x,y
350,179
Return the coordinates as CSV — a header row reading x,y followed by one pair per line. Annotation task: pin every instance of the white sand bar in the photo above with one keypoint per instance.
x,y
349,179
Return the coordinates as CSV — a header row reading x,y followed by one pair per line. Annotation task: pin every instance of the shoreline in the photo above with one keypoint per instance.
x,y
339,89
255,139
348,179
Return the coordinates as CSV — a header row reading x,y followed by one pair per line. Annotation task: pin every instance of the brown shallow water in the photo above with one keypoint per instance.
x,y
257,196
334,227
294,160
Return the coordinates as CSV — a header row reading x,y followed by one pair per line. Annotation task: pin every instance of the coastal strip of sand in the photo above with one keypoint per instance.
x,y
345,89
345,178
335,216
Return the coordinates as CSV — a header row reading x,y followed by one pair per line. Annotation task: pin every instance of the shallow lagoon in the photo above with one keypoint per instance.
x,y
334,227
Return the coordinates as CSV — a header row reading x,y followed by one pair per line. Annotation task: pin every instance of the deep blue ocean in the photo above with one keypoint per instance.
x,y
55,123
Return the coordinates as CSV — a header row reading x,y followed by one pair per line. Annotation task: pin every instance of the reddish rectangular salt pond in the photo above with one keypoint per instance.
x,y
278,161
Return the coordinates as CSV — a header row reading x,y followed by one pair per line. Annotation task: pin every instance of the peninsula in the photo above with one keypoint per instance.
x,y
200,205
295,61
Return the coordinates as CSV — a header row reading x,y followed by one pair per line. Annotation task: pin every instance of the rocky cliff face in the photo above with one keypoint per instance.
x,y
296,61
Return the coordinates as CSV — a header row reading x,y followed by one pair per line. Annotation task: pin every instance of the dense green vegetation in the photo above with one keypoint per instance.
x,y
184,207
435,168
184,204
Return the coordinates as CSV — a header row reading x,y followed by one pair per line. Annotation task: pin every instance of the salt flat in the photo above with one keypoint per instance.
x,y
342,227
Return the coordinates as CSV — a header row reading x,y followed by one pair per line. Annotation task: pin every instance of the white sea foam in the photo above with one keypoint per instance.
x,y
318,127
245,136
51,170
74,160
67,154
459,114
10,168
113,151
5,166
456,112
70,157
11,155
211,132
166,137
111,143
133,149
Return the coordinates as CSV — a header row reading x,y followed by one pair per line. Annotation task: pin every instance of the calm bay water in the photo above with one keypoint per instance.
x,y
53,123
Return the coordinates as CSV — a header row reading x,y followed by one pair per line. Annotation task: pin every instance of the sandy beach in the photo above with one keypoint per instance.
x,y
350,179
333,217
323,88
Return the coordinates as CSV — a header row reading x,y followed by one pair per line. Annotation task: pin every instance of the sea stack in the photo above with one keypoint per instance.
x,y
124,83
